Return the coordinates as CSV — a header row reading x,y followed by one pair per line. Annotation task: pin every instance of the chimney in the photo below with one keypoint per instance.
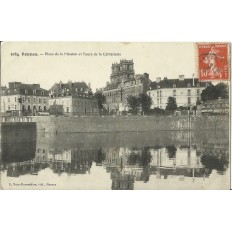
x,y
158,79
146,75
193,79
181,77
60,84
70,84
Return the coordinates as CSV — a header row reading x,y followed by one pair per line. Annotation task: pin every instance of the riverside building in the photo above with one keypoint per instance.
x,y
23,99
123,82
76,98
186,91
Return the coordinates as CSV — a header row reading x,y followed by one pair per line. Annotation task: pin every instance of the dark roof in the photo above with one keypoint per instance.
x,y
169,83
20,89
77,89
141,77
111,86
71,85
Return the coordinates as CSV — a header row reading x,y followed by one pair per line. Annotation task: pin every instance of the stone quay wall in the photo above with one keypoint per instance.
x,y
128,124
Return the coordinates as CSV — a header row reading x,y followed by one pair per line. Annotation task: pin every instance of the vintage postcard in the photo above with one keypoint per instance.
x,y
114,115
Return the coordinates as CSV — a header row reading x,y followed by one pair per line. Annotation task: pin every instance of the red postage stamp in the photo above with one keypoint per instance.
x,y
213,61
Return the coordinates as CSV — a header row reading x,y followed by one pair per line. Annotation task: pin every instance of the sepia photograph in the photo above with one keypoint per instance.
x,y
115,116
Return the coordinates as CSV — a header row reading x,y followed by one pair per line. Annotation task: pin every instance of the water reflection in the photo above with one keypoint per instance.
x,y
129,160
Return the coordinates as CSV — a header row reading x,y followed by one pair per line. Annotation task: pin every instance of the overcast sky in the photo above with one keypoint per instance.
x,y
157,59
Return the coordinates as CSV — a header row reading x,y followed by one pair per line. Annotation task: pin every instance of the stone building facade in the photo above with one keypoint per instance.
x,y
123,82
76,98
23,99
186,91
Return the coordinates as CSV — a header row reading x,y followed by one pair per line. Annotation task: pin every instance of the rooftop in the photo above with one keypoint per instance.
x,y
176,83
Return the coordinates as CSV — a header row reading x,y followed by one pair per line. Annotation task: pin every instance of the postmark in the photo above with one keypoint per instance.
x,y
213,61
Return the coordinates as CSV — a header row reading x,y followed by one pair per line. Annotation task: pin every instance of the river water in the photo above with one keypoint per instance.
x,y
144,160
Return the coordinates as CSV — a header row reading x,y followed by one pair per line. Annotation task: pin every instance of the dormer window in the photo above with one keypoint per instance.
x,y
26,91
189,85
198,84
174,85
34,91
42,93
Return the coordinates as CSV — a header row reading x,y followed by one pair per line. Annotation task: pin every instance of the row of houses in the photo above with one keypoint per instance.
x,y
76,98
63,98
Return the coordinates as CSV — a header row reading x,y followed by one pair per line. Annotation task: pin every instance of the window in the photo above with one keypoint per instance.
x,y
174,86
15,99
8,99
45,100
29,99
198,84
34,91
42,93
189,85
189,92
26,91
23,99
174,92
160,93
67,109
39,100
15,107
34,100
198,91
189,100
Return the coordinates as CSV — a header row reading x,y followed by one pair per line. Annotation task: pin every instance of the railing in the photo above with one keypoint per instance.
x,y
15,119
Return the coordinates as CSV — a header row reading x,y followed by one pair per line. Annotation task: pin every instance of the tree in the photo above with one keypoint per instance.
x,y
145,101
171,150
100,100
214,92
198,102
133,103
171,105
